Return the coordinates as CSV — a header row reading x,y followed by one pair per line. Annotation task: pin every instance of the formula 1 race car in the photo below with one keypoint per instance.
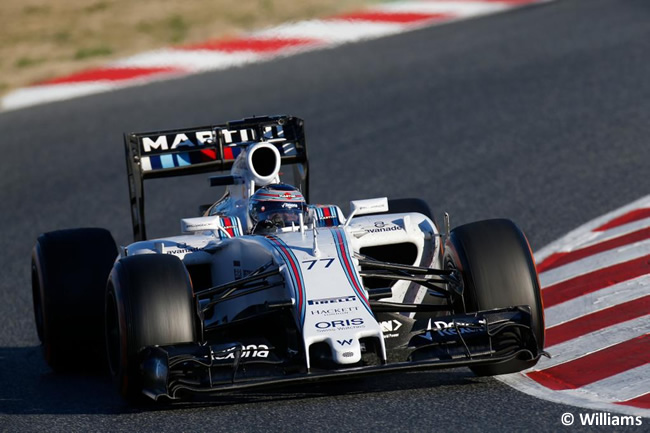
x,y
264,289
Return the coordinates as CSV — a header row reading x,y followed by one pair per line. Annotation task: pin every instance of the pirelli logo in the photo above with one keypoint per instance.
x,y
332,300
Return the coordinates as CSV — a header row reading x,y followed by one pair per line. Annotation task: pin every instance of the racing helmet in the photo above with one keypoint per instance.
x,y
275,206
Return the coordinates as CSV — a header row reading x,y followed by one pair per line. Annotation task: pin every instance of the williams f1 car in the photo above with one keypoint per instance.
x,y
265,289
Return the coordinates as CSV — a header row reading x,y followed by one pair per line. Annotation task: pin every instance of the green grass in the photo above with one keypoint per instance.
x,y
178,28
26,62
36,10
61,37
96,7
85,53
172,29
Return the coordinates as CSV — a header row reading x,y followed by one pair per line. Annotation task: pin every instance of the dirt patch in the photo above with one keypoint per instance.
x,y
43,39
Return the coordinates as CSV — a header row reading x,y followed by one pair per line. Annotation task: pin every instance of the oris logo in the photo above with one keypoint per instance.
x,y
340,324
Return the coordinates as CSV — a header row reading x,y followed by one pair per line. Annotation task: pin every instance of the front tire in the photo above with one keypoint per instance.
x,y
498,271
149,301
69,273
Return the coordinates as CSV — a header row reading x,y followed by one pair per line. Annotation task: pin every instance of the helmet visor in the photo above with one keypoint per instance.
x,y
279,214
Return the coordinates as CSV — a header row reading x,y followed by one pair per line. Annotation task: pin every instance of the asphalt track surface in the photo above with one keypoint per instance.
x,y
539,114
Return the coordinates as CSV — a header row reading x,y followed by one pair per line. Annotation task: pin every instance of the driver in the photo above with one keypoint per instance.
x,y
276,206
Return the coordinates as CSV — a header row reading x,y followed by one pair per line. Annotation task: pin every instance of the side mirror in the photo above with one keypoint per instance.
x,y
368,206
191,225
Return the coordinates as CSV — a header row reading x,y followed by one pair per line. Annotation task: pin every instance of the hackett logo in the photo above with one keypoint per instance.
x,y
334,311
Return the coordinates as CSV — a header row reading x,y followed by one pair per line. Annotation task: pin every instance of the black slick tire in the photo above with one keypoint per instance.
x,y
498,271
149,301
69,273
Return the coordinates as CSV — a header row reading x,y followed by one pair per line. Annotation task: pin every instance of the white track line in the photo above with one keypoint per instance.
x,y
585,233
600,395
333,31
593,263
458,8
199,60
48,93
598,300
589,343
571,397
624,386
598,237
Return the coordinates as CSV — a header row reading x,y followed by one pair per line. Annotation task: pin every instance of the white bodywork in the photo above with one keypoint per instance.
x,y
318,264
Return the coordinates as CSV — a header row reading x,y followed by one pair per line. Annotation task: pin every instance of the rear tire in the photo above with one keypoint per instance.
x,y
149,301
69,273
498,271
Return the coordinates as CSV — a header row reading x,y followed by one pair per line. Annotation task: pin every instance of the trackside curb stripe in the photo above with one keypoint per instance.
x,y
395,17
562,258
596,280
596,285
597,320
642,401
111,74
256,45
595,366
375,21
635,215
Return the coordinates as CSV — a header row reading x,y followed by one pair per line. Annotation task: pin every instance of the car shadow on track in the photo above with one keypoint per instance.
x,y
28,386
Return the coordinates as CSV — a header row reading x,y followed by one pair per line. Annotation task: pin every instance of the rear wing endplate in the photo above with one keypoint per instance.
x,y
207,149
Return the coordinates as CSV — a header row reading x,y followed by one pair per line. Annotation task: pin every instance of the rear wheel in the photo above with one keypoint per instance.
x,y
149,301
69,273
498,271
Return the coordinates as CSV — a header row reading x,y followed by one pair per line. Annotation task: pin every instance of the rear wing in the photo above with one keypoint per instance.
x,y
206,149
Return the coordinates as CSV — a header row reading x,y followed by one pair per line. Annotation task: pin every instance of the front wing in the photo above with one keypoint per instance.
x,y
485,337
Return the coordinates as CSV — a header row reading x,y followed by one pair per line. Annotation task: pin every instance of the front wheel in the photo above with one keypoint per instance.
x,y
69,273
149,301
498,271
